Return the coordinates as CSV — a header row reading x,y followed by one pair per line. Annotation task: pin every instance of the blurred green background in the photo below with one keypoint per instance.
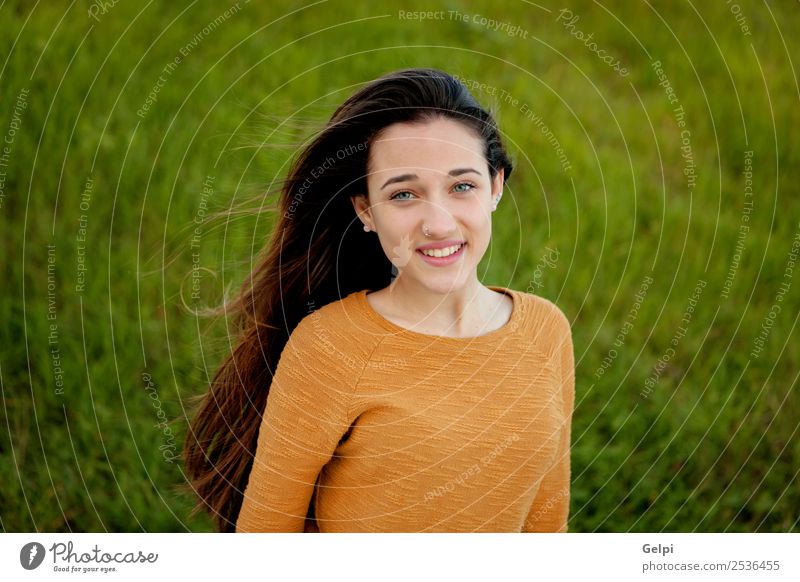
x,y
625,218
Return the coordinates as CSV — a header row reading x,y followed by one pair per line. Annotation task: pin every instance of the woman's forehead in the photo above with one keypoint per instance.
x,y
435,145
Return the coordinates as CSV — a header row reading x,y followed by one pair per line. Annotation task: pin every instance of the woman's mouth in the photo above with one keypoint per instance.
x,y
445,256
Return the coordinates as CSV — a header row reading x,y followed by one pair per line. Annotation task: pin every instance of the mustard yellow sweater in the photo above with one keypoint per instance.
x,y
387,430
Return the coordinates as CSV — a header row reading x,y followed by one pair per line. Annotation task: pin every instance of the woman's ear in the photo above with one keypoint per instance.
x,y
497,187
362,208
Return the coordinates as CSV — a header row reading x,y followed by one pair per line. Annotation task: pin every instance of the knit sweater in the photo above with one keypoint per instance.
x,y
383,429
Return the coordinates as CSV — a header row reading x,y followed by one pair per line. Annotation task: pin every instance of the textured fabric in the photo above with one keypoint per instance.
x,y
395,431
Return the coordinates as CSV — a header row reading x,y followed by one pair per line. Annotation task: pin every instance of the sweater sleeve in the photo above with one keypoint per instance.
x,y
305,417
550,509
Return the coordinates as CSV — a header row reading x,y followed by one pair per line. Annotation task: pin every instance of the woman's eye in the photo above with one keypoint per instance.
x,y
396,194
461,187
469,186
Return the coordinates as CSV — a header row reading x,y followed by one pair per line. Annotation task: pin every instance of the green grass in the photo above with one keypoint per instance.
x,y
712,448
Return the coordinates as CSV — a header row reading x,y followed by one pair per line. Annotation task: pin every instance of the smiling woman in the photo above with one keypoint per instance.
x,y
444,193
389,390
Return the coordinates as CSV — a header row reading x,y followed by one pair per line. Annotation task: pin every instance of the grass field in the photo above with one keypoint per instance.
x,y
654,199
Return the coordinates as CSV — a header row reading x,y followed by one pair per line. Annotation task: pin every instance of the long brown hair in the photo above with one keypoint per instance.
x,y
300,270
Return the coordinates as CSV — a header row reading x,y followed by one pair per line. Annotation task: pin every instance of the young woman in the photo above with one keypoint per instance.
x,y
378,385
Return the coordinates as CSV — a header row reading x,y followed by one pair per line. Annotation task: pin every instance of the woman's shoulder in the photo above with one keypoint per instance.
x,y
542,315
326,347
545,328
340,313
337,326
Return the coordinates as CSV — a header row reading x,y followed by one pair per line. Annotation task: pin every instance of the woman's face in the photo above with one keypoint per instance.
x,y
430,177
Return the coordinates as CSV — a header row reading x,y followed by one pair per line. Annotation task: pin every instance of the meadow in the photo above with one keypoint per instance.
x,y
654,199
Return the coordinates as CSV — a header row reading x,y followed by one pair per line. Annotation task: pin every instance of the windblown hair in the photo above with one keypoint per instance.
x,y
299,267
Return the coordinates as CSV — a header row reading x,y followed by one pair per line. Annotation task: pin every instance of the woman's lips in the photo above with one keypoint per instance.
x,y
442,261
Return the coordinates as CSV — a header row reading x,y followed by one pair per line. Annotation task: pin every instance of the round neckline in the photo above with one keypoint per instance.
x,y
510,326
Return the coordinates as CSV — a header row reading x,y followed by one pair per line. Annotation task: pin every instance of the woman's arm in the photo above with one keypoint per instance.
x,y
305,417
550,509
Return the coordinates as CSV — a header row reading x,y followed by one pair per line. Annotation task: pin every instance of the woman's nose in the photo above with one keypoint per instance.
x,y
438,221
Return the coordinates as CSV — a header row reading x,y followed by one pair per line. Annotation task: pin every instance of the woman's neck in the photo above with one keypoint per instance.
x,y
468,311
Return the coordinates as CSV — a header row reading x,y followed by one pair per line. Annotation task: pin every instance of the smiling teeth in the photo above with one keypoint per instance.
x,y
445,252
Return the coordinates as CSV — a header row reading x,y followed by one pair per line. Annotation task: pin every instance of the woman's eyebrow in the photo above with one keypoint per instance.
x,y
408,177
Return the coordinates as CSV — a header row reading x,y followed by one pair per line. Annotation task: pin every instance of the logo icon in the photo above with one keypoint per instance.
x,y
31,555
402,252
